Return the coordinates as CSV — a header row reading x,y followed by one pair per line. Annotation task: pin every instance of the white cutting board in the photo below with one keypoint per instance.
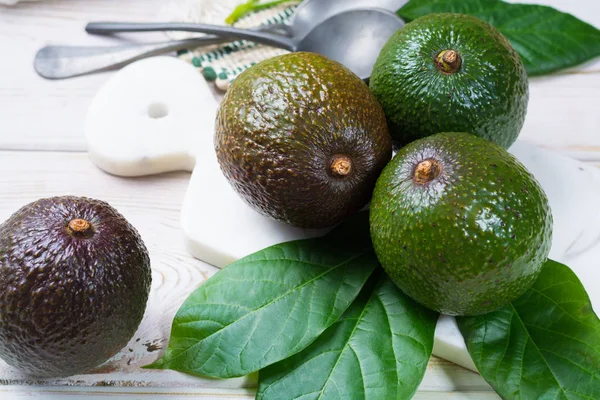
x,y
157,115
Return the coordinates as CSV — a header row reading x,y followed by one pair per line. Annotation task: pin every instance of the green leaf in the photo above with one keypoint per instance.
x,y
240,11
271,304
379,349
546,39
546,345
251,6
414,9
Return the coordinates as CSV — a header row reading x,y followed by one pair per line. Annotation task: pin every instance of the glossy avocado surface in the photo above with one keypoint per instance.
x,y
451,72
74,281
459,224
302,140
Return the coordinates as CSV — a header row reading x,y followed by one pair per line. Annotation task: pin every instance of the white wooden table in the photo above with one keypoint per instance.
x,y
42,153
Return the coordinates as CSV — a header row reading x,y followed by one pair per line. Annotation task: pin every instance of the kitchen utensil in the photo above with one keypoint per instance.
x,y
353,37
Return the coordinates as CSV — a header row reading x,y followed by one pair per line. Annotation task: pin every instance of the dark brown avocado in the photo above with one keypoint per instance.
x,y
302,140
74,281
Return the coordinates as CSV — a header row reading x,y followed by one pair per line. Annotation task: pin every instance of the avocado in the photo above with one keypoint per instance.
x,y
302,139
451,72
74,280
459,224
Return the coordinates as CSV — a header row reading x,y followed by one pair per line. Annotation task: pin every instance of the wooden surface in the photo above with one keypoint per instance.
x,y
42,153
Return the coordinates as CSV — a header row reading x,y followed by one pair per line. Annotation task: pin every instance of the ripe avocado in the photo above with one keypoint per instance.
x,y
451,72
74,280
459,224
302,139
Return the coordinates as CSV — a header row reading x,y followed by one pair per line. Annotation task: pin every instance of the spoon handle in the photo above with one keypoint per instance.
x,y
60,62
270,39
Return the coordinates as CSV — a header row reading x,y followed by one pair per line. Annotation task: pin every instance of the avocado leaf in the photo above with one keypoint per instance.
x,y
271,304
545,345
379,349
546,39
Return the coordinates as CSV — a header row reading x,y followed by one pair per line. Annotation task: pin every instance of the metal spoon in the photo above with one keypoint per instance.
x,y
59,62
311,13
353,38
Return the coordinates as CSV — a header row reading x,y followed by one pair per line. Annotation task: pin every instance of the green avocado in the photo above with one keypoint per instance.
x,y
451,72
302,140
74,281
459,224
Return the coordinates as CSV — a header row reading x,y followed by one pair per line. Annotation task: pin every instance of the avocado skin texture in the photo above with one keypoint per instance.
x,y
68,303
487,96
471,240
278,127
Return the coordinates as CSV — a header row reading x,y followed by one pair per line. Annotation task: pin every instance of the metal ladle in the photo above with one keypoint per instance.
x,y
354,37
59,62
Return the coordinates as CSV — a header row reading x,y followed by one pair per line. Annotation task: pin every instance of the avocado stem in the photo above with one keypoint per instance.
x,y
427,170
341,165
80,228
448,61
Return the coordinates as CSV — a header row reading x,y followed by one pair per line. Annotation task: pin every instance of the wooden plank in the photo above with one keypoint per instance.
x,y
47,392
562,114
456,396
49,115
15,392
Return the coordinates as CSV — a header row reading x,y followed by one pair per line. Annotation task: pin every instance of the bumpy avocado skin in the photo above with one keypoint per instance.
x,y
278,127
471,240
487,96
68,303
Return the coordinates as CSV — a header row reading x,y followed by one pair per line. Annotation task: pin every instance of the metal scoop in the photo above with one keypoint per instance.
x,y
57,62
